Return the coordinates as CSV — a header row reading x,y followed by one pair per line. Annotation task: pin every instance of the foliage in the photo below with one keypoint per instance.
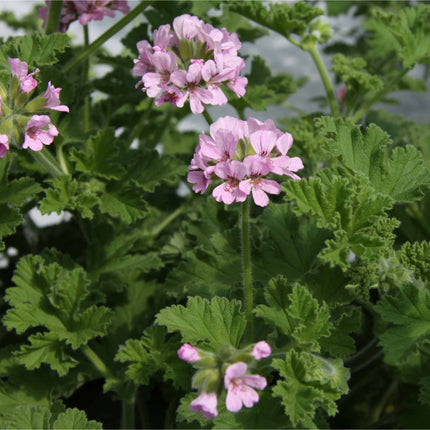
x,y
95,308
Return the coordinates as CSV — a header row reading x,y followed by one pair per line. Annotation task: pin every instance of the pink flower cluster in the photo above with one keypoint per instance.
x,y
190,62
242,154
39,131
238,383
84,10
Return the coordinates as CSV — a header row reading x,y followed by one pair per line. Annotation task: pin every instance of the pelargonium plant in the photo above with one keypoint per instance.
x,y
242,154
191,62
263,284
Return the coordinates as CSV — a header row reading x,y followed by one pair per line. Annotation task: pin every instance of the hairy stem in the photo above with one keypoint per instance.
x,y
48,162
127,410
141,124
207,116
86,52
163,224
246,265
414,210
62,159
96,361
325,79
54,13
85,74
386,89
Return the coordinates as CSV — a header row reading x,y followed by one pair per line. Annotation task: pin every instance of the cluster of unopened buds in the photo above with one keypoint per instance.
x,y
84,10
228,369
191,61
242,154
21,115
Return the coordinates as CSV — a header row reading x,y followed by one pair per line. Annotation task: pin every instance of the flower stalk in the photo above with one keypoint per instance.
x,y
86,52
53,16
325,80
247,277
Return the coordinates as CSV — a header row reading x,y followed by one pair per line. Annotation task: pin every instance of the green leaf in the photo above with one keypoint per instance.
x,y
339,343
30,417
75,419
296,313
147,169
123,201
67,193
309,381
217,323
353,72
46,348
37,49
404,32
416,256
290,247
153,353
17,191
53,297
10,218
110,251
100,156
410,312
400,176
283,18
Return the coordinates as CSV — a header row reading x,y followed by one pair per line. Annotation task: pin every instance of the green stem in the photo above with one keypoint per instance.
x,y
62,159
387,88
247,279
377,412
325,79
163,224
141,124
54,13
49,163
127,411
85,74
413,209
207,116
86,52
96,361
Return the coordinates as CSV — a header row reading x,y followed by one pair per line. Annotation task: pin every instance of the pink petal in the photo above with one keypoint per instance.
x,y
235,370
255,381
263,141
260,197
248,396
284,143
233,401
271,187
206,403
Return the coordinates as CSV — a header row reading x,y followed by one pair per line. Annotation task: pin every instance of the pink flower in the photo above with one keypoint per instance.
x,y
38,132
84,10
261,350
52,95
205,58
4,145
188,353
258,167
229,191
224,155
238,385
206,403
20,70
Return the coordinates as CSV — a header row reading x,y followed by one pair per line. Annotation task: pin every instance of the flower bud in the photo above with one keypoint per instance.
x,y
36,105
261,350
188,353
207,380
